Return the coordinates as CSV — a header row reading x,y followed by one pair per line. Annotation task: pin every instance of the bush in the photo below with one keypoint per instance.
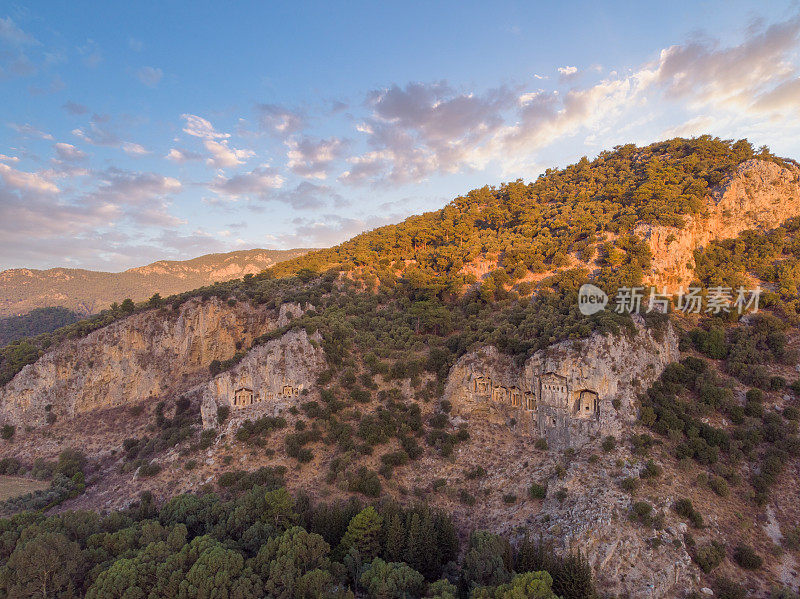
x,y
7,431
147,470
537,491
509,498
719,486
366,482
747,558
629,484
727,589
709,556
609,443
684,508
541,444
465,497
650,470
642,512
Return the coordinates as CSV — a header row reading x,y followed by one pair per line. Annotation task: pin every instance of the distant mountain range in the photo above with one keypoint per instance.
x,y
87,292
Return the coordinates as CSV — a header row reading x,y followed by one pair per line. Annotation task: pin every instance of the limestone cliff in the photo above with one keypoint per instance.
x,y
156,353
568,393
271,377
759,195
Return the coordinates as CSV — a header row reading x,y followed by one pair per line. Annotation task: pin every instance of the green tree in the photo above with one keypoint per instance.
x,y
392,580
529,585
127,305
395,541
364,534
279,509
487,562
43,566
294,564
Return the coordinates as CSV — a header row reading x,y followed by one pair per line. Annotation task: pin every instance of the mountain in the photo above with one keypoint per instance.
x,y
429,394
87,292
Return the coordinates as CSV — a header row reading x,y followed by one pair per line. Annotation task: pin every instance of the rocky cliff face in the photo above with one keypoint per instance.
x,y
270,378
569,393
151,354
759,195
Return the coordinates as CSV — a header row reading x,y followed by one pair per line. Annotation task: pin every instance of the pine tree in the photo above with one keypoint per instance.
x,y
364,533
395,543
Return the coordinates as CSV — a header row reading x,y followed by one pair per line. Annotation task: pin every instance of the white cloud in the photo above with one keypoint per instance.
x,y
68,152
425,128
181,156
258,182
217,143
133,149
25,181
28,130
74,108
567,72
150,76
14,36
280,120
199,127
223,156
313,158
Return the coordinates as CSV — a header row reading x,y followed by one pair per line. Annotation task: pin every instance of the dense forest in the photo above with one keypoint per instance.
x,y
255,540
36,322
535,227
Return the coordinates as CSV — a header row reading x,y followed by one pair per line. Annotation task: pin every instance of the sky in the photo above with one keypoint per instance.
x,y
133,132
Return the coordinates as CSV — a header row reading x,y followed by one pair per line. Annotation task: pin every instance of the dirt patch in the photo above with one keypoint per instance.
x,y
14,486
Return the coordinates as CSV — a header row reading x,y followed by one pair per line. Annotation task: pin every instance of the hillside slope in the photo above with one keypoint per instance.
x,y
444,359
87,292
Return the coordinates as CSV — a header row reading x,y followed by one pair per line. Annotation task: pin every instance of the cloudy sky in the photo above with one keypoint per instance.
x,y
169,130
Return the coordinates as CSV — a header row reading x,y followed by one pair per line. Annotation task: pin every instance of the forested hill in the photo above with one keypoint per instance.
x,y
585,213
87,292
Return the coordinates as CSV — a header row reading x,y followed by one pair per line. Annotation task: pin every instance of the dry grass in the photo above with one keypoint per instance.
x,y
14,486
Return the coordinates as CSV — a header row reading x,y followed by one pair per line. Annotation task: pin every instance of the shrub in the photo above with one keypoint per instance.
x,y
791,538
366,482
630,484
747,558
684,508
465,497
541,444
222,414
509,498
650,470
475,472
709,556
727,589
642,512
537,491
719,486
7,431
561,495
609,443
147,470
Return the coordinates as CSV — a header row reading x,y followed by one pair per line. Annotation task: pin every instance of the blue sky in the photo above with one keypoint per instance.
x,y
169,130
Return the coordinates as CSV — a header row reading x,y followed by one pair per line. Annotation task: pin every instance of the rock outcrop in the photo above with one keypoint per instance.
x,y
153,354
568,393
270,378
759,195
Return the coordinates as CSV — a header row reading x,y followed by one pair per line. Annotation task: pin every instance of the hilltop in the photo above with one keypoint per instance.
x,y
87,292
